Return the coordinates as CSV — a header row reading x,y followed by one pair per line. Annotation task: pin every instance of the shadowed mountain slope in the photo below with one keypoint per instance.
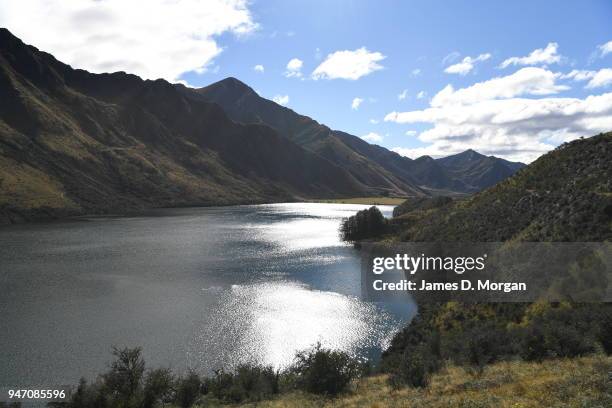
x,y
373,165
244,105
478,171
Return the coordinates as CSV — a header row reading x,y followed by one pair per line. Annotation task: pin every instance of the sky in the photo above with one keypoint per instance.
x,y
510,79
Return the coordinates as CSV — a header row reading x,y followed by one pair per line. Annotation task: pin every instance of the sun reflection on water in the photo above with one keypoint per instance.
x,y
272,321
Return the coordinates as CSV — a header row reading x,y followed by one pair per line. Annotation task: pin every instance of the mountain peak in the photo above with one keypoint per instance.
x,y
233,84
228,89
5,33
425,158
471,154
477,170
8,40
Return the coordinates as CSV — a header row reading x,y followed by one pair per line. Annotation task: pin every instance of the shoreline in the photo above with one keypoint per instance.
x,y
49,215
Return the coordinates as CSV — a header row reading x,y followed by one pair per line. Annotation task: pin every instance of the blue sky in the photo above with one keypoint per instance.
x,y
409,45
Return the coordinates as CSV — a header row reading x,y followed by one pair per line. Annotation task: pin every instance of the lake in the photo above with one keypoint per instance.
x,y
199,288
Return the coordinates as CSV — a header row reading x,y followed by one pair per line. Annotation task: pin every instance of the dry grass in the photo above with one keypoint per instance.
x,y
579,382
364,200
26,187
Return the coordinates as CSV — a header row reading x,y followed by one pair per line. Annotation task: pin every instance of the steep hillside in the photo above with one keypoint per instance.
x,y
373,165
74,142
244,105
565,195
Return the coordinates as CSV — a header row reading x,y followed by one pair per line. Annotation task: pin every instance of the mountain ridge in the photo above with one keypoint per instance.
x,y
369,163
72,142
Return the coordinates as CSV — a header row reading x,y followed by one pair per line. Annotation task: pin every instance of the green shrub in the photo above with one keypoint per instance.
x,y
476,346
415,367
322,371
365,224
246,383
188,390
159,387
563,332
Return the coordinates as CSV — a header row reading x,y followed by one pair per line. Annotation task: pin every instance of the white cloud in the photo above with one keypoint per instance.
x,y
281,99
540,56
605,49
294,68
349,64
356,102
526,81
374,121
259,68
597,79
602,78
152,39
415,72
372,137
403,95
411,133
421,95
466,65
493,118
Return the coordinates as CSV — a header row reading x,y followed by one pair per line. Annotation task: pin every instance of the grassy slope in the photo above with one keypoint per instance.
x,y
364,200
580,382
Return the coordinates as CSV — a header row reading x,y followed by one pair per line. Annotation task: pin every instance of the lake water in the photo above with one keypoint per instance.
x,y
199,288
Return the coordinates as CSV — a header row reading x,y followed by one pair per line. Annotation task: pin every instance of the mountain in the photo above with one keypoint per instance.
x,y
373,165
72,142
477,171
565,195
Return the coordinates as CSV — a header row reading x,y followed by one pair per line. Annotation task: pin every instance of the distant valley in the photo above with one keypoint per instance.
x,y
72,142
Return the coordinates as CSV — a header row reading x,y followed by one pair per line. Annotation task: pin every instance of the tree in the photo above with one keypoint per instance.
x,y
124,379
365,224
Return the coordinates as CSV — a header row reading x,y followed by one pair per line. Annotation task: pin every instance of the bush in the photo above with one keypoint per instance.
x,y
563,330
478,346
417,365
188,390
159,387
322,371
246,383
